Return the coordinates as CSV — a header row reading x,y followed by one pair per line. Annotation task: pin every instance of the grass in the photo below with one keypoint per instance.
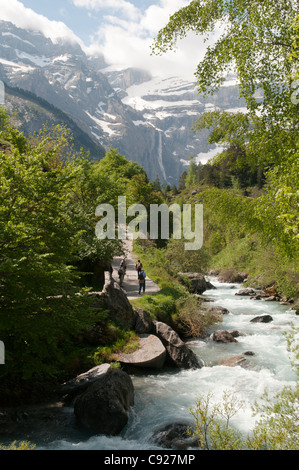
x,y
127,343
264,266
162,305
173,304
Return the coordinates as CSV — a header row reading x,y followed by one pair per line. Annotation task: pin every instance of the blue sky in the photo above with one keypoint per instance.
x,y
82,20
121,30
67,13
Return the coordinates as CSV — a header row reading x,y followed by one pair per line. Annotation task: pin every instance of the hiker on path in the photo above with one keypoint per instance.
x,y
138,267
124,265
121,274
141,278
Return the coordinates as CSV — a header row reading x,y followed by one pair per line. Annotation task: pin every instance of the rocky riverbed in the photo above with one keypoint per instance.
x,y
234,349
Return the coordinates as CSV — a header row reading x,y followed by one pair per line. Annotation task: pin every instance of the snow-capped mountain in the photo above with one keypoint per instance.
x,y
147,118
171,106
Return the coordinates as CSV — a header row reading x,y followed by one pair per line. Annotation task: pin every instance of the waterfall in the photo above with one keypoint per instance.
x,y
160,155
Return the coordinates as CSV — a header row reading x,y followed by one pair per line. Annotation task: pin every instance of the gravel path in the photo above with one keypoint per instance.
x,y
131,284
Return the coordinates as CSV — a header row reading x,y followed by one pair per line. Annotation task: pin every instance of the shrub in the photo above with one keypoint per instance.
x,y
191,320
24,445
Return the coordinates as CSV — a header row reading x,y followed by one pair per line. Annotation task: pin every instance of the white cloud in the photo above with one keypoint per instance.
x,y
126,41
157,16
124,36
127,8
123,49
22,17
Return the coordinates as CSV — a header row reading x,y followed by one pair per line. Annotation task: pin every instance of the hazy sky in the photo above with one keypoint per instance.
x,y
122,30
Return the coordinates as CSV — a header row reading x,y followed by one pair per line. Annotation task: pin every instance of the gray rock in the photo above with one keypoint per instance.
x,y
236,333
104,407
82,381
75,85
230,275
223,336
248,291
249,353
262,319
196,283
114,299
234,361
218,310
178,353
151,354
174,436
144,323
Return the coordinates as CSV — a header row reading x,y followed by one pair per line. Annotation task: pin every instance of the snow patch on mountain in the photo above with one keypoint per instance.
x,y
148,119
102,124
17,67
61,58
17,37
157,93
39,61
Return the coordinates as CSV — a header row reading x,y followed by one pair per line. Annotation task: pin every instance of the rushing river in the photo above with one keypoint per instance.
x,y
166,397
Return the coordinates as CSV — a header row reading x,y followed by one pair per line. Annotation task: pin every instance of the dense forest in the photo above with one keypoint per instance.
x,y
250,190
50,255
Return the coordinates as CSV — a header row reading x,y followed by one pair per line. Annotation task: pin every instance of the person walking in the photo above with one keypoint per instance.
x,y
121,274
124,265
141,278
138,267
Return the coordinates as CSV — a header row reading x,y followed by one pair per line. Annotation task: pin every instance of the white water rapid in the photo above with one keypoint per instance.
x,y
166,397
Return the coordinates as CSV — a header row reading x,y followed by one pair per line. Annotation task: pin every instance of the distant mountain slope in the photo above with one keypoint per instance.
x,y
146,118
171,106
69,80
32,112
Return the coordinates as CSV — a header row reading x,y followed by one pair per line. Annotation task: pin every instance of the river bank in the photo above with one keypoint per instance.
x,y
166,396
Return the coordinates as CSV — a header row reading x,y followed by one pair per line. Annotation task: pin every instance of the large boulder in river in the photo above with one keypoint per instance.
x,y
218,310
223,336
235,361
246,292
151,354
232,276
104,407
195,282
114,299
178,353
144,323
80,383
175,436
262,319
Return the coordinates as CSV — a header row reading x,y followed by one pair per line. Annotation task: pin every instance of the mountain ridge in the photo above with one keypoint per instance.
x,y
32,112
148,119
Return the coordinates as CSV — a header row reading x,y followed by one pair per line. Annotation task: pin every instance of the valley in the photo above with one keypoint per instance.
x,y
148,119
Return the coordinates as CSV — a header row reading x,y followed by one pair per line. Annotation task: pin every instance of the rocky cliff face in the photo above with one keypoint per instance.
x,y
171,106
34,113
147,119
